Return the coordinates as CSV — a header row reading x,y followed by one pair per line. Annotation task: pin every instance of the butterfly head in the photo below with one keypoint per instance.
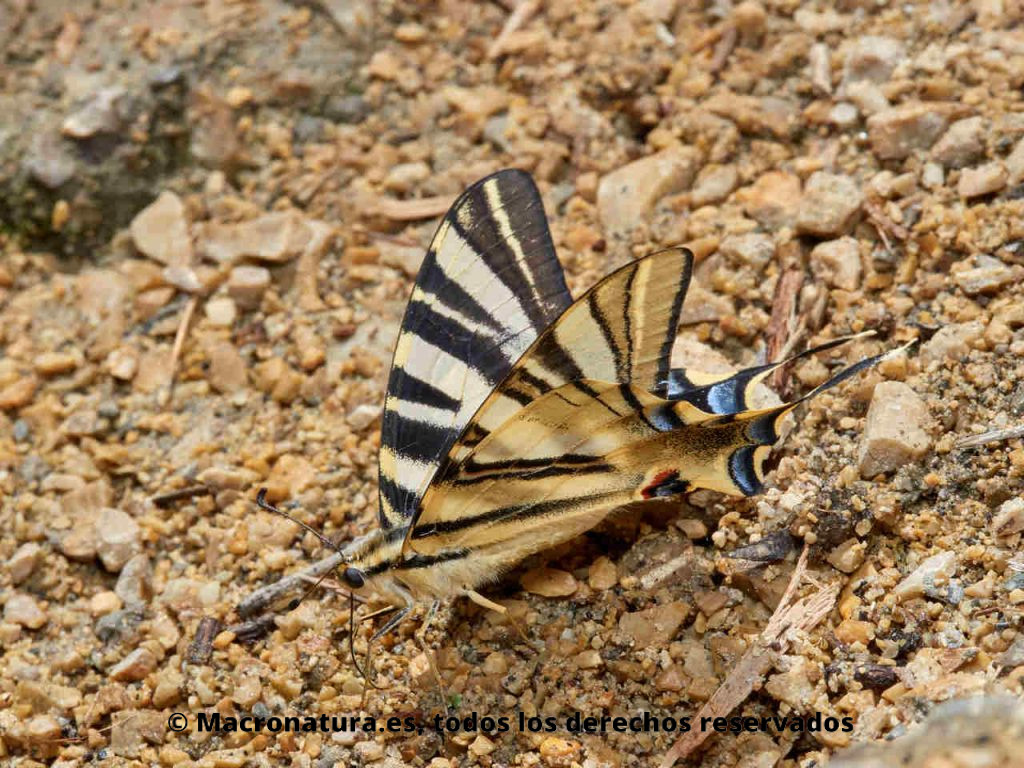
x,y
353,577
369,562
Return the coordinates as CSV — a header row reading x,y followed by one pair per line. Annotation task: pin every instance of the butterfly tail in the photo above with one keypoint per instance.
x,y
739,443
722,393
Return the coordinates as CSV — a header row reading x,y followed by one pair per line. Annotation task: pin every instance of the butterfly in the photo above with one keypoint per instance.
x,y
517,418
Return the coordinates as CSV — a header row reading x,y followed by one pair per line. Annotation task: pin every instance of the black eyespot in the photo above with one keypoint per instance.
x,y
354,577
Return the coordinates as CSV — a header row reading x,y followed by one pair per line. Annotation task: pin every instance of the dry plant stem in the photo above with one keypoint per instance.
x,y
179,341
264,597
760,657
883,222
992,436
781,334
723,48
201,648
166,499
412,210
523,13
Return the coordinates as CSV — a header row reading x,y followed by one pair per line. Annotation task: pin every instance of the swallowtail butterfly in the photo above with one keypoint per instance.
x,y
517,418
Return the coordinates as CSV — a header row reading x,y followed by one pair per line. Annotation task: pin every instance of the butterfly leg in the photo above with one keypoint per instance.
x,y
421,640
380,612
401,612
483,602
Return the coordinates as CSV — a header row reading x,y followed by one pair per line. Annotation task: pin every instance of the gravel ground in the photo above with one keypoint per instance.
x,y
210,218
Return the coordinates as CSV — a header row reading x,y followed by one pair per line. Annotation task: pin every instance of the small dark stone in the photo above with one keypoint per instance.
x,y
22,431
876,676
346,109
117,625
108,410
771,549
308,129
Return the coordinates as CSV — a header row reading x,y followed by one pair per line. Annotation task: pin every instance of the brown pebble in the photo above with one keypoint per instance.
x,y
247,284
135,666
24,610
559,753
103,603
602,574
161,231
895,432
549,582
57,363
654,626
228,372
24,561
19,393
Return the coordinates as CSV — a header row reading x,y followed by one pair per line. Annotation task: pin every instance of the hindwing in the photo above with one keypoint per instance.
x,y
579,451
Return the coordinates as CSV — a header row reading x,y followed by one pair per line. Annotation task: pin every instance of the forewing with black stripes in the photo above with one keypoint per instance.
x,y
489,285
621,330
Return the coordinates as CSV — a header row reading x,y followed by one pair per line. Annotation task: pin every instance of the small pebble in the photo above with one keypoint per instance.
x,y
898,131
247,284
24,560
627,195
221,311
103,603
962,144
57,363
24,610
933,572
161,231
654,626
549,582
602,574
118,538
135,666
122,363
895,432
829,205
838,263
983,180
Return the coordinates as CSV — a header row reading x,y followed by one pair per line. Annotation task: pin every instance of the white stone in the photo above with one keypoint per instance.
x,y
895,433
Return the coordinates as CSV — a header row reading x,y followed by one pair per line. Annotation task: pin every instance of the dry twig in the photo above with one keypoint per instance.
x,y
523,13
992,436
412,210
179,343
789,617
264,597
783,328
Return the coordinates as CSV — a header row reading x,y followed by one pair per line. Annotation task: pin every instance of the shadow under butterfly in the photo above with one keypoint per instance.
x,y
517,418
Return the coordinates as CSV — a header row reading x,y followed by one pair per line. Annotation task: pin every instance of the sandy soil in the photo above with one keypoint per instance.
x,y
210,218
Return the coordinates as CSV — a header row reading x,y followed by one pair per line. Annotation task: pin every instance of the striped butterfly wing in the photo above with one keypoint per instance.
x,y
620,330
584,449
489,285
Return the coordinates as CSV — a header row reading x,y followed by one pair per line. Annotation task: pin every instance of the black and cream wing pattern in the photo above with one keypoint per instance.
x,y
489,285
517,418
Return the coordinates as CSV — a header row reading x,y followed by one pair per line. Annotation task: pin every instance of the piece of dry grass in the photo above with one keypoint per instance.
x,y
789,618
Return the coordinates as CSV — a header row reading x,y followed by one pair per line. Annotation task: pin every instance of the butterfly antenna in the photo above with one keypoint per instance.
x,y
262,503
295,602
